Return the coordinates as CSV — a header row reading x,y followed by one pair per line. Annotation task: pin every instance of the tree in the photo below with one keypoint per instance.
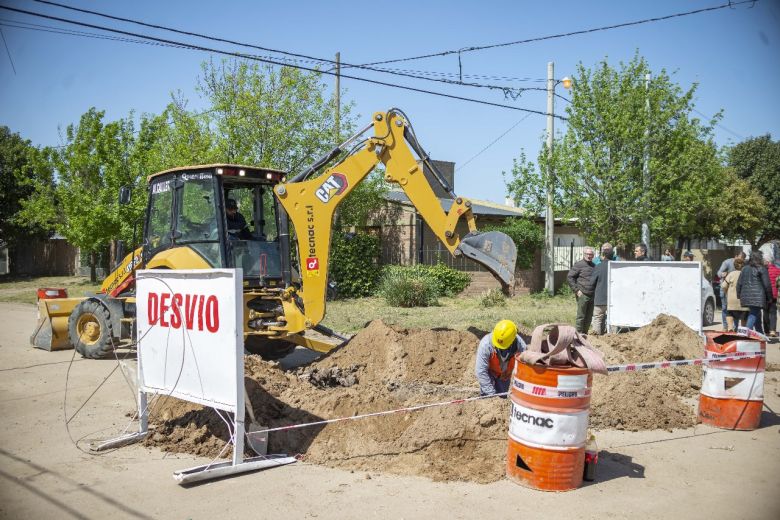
x,y
18,161
598,162
81,199
757,160
278,118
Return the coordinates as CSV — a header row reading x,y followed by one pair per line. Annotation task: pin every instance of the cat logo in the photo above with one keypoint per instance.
x,y
333,185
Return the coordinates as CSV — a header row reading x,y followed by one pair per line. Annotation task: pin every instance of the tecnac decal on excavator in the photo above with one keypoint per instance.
x,y
312,262
333,185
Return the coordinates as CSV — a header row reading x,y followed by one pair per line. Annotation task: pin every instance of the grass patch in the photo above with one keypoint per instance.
x,y
18,289
458,313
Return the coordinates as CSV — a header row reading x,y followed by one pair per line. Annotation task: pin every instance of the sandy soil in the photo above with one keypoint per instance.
x,y
442,463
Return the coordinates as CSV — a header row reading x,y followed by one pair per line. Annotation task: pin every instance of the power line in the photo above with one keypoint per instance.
x,y
69,32
564,35
272,62
513,93
494,141
735,134
8,52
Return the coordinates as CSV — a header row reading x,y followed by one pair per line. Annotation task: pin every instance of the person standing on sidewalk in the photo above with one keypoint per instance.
x,y
599,279
753,290
725,268
582,286
773,268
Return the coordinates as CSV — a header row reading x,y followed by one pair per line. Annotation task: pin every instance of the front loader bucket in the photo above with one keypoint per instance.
x,y
51,331
496,251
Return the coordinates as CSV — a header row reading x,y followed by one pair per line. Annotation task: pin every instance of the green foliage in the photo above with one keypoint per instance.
x,y
449,281
757,161
408,287
18,159
362,202
90,168
420,285
564,290
598,163
353,263
493,298
527,235
263,115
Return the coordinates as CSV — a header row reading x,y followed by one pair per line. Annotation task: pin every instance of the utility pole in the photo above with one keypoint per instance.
x,y
549,223
646,167
338,97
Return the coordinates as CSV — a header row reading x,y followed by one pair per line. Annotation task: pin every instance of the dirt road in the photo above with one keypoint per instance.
x,y
699,472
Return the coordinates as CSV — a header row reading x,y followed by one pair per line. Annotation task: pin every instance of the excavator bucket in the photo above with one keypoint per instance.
x,y
51,331
496,251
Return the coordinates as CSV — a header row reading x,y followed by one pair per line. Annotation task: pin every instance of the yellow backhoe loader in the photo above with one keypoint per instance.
x,y
223,216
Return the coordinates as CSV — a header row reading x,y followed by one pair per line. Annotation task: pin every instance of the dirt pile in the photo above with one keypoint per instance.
x,y
655,399
386,367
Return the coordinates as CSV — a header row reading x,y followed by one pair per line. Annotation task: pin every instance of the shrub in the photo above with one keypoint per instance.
x,y
527,235
449,281
493,298
564,290
408,287
353,263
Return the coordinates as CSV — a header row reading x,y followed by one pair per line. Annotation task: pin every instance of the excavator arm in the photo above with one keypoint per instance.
x,y
311,203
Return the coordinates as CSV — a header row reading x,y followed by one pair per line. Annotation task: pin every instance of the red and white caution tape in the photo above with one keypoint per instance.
x,y
713,358
377,414
553,391
750,333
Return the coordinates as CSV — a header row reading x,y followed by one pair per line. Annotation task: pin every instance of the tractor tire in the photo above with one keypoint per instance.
x,y
90,331
268,349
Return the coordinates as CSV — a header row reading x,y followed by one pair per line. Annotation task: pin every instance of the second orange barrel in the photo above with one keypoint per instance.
x,y
548,426
732,394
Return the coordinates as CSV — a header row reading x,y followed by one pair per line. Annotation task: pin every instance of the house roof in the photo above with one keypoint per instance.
x,y
478,207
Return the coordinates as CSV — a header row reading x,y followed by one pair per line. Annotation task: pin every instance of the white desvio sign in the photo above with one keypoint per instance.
x,y
190,335
191,346
639,291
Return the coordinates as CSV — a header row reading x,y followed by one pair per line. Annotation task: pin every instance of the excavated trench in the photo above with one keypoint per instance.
x,y
386,367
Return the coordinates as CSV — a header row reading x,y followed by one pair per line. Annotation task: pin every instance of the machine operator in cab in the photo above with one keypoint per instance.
x,y
496,358
236,223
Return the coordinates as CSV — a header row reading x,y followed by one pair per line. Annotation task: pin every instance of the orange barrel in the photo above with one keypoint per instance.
x,y
548,426
732,393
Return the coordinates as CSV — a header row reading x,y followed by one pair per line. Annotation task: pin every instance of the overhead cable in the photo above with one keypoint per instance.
x,y
512,92
273,62
727,5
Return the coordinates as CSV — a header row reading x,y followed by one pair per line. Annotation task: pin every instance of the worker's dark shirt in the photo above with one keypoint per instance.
x,y
237,227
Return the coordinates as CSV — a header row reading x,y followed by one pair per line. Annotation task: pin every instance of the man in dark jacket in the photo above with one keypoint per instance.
x,y
599,279
580,283
753,290
640,252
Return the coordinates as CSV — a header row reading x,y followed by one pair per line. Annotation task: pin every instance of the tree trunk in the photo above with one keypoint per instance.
x,y
92,267
112,254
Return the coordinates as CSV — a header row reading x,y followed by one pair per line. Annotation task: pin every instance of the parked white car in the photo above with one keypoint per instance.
x,y
707,303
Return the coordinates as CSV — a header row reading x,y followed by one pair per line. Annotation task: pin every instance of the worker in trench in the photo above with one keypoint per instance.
x,y
496,358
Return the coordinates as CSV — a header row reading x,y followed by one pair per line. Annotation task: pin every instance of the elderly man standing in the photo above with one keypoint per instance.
x,y
580,282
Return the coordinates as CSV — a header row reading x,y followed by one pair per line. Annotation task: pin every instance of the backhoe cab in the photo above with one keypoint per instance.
x,y
188,226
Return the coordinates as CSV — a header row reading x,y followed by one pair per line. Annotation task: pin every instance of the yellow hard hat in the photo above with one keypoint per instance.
x,y
504,333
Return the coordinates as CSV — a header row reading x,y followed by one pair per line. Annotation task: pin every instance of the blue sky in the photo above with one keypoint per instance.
x,y
731,53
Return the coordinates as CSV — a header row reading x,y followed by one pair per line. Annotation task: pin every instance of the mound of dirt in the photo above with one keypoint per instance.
x,y
656,399
386,367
